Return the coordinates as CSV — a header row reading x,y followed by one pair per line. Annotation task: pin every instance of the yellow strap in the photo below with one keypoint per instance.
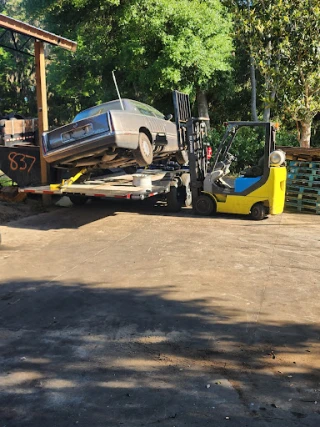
x,y
70,181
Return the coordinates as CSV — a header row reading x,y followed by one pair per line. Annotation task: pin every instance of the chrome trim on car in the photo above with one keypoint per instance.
x,y
79,142
87,128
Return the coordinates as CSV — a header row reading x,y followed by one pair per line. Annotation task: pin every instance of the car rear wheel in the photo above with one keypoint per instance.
x,y
144,153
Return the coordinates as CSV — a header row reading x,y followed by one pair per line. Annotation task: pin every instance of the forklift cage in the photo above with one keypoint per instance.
x,y
192,132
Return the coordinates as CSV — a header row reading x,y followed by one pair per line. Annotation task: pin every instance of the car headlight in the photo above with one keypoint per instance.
x,y
277,157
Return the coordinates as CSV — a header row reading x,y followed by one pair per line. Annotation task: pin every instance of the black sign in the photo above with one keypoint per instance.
x,y
21,164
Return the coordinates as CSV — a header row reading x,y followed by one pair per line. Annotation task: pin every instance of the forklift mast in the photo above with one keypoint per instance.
x,y
192,132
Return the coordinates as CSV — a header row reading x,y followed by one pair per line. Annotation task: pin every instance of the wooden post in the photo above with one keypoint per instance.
x,y
42,109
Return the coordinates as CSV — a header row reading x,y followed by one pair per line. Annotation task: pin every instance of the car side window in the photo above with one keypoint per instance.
x,y
156,113
145,111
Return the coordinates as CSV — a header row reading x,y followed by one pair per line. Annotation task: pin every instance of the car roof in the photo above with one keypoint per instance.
x,y
128,104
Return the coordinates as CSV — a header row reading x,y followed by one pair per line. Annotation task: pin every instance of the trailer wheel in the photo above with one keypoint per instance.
x,y
258,212
204,205
174,203
144,153
77,199
182,157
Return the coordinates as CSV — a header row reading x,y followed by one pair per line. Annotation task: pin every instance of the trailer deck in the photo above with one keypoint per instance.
x,y
116,185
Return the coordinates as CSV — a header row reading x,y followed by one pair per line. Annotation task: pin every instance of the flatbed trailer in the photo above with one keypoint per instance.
x,y
143,184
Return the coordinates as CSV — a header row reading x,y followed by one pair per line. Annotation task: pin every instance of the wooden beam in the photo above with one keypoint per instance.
x,y
36,33
42,107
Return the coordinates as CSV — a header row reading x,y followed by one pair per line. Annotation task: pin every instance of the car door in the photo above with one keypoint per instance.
x,y
158,125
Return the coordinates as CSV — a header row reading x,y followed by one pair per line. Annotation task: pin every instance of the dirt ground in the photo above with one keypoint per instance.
x,y
10,211
121,314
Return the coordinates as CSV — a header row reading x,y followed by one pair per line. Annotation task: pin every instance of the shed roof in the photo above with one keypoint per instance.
x,y
15,26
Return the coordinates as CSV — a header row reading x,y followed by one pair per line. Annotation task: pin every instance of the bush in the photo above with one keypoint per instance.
x,y
285,138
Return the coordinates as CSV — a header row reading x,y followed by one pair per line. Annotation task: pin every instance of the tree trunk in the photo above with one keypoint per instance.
x,y
254,114
267,110
203,110
266,113
202,103
270,93
305,134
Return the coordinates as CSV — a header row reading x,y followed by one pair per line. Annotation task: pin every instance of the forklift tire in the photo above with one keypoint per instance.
x,y
174,203
77,199
258,212
144,153
204,205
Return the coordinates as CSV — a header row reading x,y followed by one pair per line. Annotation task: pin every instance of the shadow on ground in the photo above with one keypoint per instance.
x,y
79,354
74,217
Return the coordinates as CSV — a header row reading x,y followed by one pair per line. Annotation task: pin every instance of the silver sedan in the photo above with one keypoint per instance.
x,y
114,134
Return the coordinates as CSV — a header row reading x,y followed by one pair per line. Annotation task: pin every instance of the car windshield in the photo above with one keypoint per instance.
x,y
98,109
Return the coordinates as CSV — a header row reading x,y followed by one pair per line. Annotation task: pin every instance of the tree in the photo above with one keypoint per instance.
x,y
300,64
284,41
178,44
17,81
154,45
243,36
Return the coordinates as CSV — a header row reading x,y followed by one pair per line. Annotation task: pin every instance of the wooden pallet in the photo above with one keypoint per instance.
x,y
312,203
302,171
311,176
303,193
303,174
303,208
301,154
301,182
303,186
302,189
301,164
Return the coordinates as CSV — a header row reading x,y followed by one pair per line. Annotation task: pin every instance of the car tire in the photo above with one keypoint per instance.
x,y
204,205
144,153
258,212
182,157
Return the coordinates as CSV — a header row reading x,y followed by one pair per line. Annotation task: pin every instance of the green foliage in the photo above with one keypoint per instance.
x,y
284,38
247,146
154,46
17,90
287,138
175,43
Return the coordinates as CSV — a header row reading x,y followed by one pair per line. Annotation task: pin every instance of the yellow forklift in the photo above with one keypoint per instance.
x,y
257,192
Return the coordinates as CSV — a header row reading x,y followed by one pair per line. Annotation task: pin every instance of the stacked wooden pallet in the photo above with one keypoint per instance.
x,y
18,131
303,186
